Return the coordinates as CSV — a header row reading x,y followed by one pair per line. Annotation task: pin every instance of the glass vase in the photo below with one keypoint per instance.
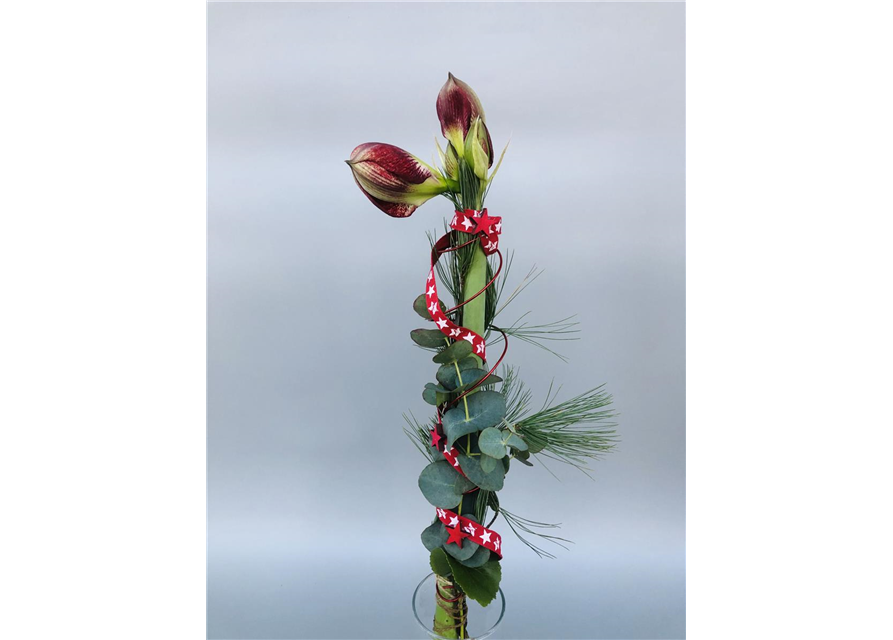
x,y
474,622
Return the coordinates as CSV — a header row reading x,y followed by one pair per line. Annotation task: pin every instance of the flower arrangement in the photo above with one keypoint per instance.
x,y
482,421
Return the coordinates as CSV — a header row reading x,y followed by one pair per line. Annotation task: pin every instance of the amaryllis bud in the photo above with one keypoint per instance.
x,y
479,148
457,107
451,162
394,180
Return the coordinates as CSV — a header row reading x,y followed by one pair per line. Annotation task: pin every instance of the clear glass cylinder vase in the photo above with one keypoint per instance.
x,y
474,622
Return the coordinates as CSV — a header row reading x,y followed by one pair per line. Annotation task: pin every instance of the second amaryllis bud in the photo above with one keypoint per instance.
x,y
457,107
451,162
479,148
394,180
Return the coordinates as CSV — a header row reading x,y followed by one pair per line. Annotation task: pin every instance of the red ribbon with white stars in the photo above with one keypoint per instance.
x,y
460,528
488,229
451,454
472,221
478,222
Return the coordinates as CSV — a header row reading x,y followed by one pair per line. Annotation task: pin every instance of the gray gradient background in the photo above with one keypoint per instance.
x,y
313,509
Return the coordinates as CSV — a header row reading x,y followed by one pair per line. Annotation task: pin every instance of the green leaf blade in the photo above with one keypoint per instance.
x,y
428,338
517,442
488,463
454,352
420,306
480,556
442,485
449,377
491,481
439,563
485,409
479,583
434,535
490,443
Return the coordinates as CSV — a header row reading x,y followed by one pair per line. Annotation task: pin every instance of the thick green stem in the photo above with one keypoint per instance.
x,y
448,620
475,279
450,616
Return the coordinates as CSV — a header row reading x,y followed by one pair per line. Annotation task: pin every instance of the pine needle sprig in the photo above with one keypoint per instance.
x,y
526,281
498,286
535,333
482,503
419,435
492,298
517,523
574,431
452,197
529,527
517,396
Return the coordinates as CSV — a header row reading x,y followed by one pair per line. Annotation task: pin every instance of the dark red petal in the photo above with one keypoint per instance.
x,y
393,209
457,105
392,164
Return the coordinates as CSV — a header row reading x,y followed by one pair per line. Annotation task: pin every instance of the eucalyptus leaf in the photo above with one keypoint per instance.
x,y
488,463
491,481
434,394
464,552
428,338
517,442
454,352
490,442
523,457
442,485
485,409
471,377
505,463
420,306
478,558
468,547
439,563
479,583
434,535
535,447
448,376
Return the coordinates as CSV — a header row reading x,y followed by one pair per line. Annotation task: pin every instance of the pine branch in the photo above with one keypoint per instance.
x,y
536,333
519,524
517,396
574,431
532,275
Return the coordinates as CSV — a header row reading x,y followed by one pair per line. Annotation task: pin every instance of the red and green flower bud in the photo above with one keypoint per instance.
x,y
479,148
394,180
457,107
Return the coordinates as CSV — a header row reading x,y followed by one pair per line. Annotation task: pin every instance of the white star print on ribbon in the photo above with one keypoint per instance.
x,y
480,222
477,533
444,324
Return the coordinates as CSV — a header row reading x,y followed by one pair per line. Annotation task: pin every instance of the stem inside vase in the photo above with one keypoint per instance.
x,y
451,614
